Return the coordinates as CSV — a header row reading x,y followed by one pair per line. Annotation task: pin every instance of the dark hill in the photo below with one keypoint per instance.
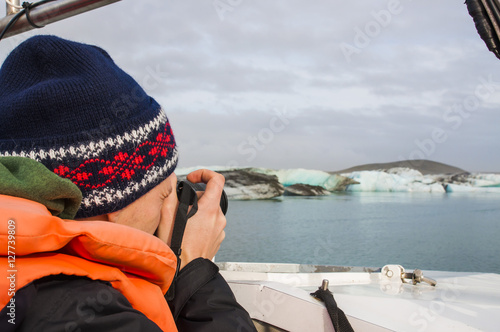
x,y
423,166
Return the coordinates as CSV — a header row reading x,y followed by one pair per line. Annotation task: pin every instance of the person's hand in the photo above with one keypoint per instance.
x,y
205,230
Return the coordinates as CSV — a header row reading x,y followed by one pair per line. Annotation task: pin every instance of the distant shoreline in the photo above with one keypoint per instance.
x,y
426,167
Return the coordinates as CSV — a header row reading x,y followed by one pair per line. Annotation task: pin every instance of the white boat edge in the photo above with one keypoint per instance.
x,y
277,296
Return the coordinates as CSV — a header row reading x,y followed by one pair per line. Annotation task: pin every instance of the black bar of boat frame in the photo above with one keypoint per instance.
x,y
51,12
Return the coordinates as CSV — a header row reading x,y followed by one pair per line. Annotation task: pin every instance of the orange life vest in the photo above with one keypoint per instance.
x,y
35,244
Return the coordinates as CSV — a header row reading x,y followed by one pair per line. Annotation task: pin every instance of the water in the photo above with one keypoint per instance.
x,y
450,232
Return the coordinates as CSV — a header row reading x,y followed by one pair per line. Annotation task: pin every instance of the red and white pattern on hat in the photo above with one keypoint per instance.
x,y
114,169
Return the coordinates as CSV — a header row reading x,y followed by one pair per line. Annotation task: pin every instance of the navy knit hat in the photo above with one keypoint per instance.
x,y
69,106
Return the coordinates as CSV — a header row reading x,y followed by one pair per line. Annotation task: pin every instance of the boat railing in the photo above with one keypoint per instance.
x,y
42,13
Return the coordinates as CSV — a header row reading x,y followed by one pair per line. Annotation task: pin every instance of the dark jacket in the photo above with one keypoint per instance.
x,y
204,302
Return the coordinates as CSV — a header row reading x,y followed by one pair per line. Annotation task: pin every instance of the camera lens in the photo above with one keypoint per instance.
x,y
201,187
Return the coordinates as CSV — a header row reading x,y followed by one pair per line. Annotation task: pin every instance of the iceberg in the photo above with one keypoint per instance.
x,y
264,183
245,185
485,180
305,190
242,184
468,181
457,188
288,177
393,180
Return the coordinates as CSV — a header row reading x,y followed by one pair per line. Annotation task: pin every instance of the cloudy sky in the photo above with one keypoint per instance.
x,y
310,84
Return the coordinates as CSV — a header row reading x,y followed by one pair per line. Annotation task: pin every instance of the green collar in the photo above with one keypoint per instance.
x,y
29,179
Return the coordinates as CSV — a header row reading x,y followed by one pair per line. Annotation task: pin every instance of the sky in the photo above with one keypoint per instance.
x,y
307,84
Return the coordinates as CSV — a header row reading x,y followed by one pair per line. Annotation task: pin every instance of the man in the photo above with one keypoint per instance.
x,y
75,128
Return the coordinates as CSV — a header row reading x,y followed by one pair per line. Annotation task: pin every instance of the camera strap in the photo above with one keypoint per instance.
x,y
187,197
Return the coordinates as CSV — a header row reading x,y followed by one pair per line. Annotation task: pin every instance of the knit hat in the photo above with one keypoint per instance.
x,y
69,106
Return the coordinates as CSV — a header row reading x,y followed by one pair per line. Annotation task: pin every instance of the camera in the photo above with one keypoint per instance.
x,y
202,187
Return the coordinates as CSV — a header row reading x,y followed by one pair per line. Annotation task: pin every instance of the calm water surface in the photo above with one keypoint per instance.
x,y
449,232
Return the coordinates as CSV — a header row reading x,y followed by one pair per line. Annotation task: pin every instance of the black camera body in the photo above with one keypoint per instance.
x,y
201,187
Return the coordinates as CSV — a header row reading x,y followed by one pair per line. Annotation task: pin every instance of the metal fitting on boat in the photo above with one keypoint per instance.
x,y
417,276
397,273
